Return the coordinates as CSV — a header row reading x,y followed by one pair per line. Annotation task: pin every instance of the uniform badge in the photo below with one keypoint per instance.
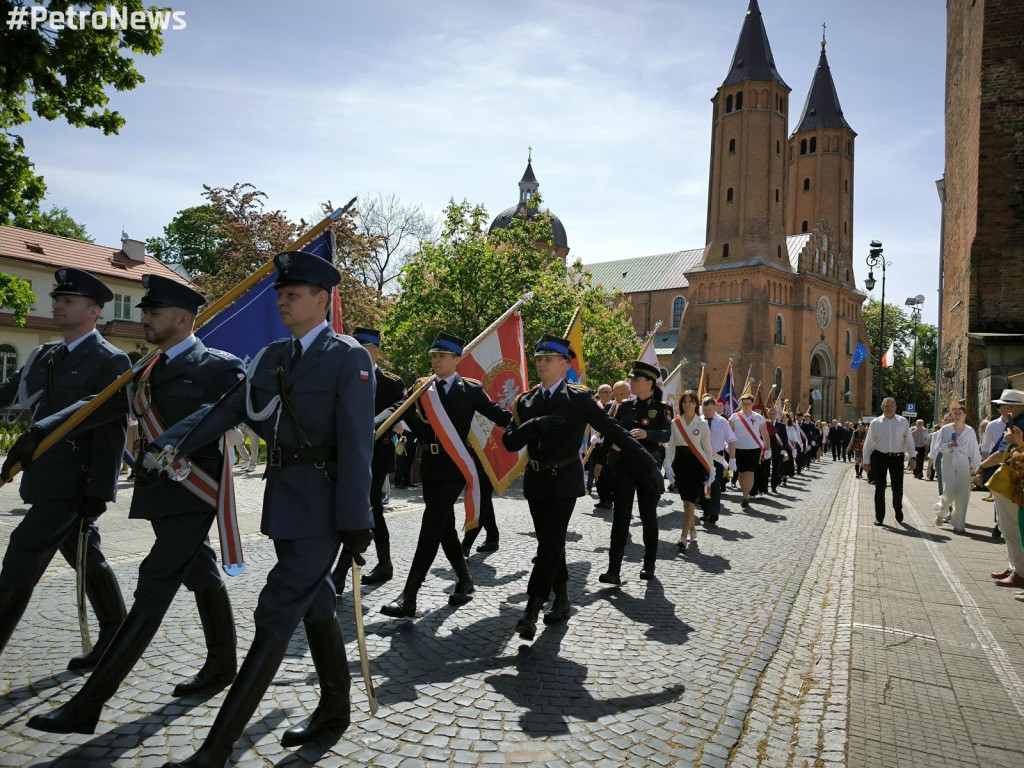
x,y
644,422
696,432
364,375
652,413
62,275
145,282
284,261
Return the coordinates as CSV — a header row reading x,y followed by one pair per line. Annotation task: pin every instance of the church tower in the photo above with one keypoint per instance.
x,y
820,160
748,172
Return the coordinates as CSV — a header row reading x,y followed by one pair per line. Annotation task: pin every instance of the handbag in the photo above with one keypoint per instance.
x,y
1001,482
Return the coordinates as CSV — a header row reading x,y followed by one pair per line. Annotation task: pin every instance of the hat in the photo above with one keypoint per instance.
x,y
78,282
646,370
445,342
554,345
164,292
367,336
1010,397
305,268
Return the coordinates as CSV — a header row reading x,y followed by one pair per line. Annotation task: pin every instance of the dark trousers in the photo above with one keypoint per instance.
x,y
551,517
299,586
606,482
712,505
379,469
488,522
48,526
836,449
626,487
181,554
438,525
882,463
919,462
762,476
776,470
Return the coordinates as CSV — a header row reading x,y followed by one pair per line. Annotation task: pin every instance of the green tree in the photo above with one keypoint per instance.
x,y
17,296
60,73
58,222
193,240
898,381
465,279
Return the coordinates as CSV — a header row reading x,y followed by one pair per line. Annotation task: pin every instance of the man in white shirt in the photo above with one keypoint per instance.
x,y
886,445
723,444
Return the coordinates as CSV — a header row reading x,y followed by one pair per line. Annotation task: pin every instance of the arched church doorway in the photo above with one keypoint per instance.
x,y
823,383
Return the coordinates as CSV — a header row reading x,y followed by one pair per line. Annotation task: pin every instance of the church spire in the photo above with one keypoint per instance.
x,y
822,108
528,185
752,59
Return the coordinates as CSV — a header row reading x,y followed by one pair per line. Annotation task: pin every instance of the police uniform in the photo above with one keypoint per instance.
x,y
551,424
68,486
443,481
311,399
175,383
652,416
389,390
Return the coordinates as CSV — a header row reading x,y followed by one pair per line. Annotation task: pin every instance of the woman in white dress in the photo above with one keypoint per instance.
x,y
689,455
958,445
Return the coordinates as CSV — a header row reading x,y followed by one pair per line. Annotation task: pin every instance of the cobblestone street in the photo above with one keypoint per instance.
x,y
793,635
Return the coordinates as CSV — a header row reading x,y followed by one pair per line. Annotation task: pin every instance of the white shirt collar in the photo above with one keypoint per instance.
x,y
71,345
553,389
181,346
310,337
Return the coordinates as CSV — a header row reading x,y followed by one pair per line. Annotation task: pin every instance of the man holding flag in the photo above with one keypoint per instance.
x,y
442,419
181,379
310,396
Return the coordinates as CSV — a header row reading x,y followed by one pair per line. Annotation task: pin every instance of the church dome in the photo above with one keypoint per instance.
x,y
528,187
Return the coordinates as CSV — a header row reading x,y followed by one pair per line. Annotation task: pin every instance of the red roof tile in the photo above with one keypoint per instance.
x,y
25,245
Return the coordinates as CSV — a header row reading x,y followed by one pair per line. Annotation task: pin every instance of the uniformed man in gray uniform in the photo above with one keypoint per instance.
x,y
70,485
182,378
311,398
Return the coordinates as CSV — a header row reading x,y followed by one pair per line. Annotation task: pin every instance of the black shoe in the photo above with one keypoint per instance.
x,y
466,549
745,503
382,572
878,522
463,593
526,627
107,603
560,609
218,622
611,577
647,572
402,607
488,546
899,517
996,533
333,714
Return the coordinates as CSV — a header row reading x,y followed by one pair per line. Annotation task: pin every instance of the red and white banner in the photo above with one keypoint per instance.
x,y
499,361
889,358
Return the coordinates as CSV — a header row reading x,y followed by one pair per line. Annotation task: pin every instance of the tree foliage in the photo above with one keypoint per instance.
x,y
17,296
57,221
66,73
898,381
465,279
395,230
192,240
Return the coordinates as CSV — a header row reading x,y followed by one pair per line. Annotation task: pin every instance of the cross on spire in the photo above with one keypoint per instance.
x,y
823,35
529,157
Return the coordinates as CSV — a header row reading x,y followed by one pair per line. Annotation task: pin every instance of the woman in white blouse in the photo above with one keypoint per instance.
x,y
689,455
958,445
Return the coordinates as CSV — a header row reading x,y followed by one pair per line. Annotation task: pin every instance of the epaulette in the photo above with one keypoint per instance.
x,y
389,375
220,353
515,407
578,387
473,381
421,379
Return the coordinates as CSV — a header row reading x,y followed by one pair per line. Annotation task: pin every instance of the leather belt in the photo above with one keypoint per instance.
x,y
435,448
545,466
283,456
900,454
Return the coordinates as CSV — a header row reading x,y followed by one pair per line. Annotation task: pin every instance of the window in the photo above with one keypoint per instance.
x,y
803,226
678,305
779,337
849,346
778,382
807,184
8,361
728,103
847,392
803,146
846,185
732,146
779,252
728,195
122,306
816,366
739,100
778,148
776,196
814,144
725,251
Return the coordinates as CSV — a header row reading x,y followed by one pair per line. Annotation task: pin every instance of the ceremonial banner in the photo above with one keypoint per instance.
x,y
648,354
702,386
499,361
728,393
673,387
577,370
248,325
889,358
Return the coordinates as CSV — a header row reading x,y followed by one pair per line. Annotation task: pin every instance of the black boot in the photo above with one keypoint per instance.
x,y
243,698
107,603
405,604
219,627
611,576
560,609
81,713
526,627
13,602
464,588
332,714
383,571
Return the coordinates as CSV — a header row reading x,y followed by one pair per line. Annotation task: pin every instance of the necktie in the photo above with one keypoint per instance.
x,y
441,385
59,353
547,395
296,354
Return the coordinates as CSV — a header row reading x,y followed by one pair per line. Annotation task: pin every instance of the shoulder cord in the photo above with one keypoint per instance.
x,y
23,400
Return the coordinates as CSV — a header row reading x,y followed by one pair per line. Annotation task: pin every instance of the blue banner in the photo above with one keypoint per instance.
x,y
728,394
248,325
859,354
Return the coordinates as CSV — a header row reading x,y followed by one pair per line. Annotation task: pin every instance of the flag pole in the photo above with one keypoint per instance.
x,y
572,322
422,386
203,317
650,340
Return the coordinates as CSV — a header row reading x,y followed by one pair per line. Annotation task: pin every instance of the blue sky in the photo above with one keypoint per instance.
x,y
323,100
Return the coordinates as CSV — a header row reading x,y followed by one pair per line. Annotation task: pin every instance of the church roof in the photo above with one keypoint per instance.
x,y
665,271
822,108
503,219
528,175
752,59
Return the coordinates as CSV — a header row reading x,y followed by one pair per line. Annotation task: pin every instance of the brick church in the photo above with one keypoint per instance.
x,y
774,286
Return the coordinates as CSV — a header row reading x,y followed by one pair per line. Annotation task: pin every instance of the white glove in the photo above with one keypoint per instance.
x,y
595,440
669,473
732,464
785,455
767,455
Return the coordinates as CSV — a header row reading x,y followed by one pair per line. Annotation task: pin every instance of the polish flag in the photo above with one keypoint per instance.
x,y
889,357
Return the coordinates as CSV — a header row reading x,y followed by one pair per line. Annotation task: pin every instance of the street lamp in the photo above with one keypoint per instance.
x,y
915,302
875,259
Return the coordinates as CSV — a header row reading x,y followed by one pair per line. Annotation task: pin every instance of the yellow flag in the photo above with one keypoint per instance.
x,y
574,333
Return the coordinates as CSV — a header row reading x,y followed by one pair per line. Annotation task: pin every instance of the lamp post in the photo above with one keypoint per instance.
x,y
915,302
875,259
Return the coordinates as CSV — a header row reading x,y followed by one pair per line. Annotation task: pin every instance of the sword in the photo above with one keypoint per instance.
x,y
364,660
83,618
